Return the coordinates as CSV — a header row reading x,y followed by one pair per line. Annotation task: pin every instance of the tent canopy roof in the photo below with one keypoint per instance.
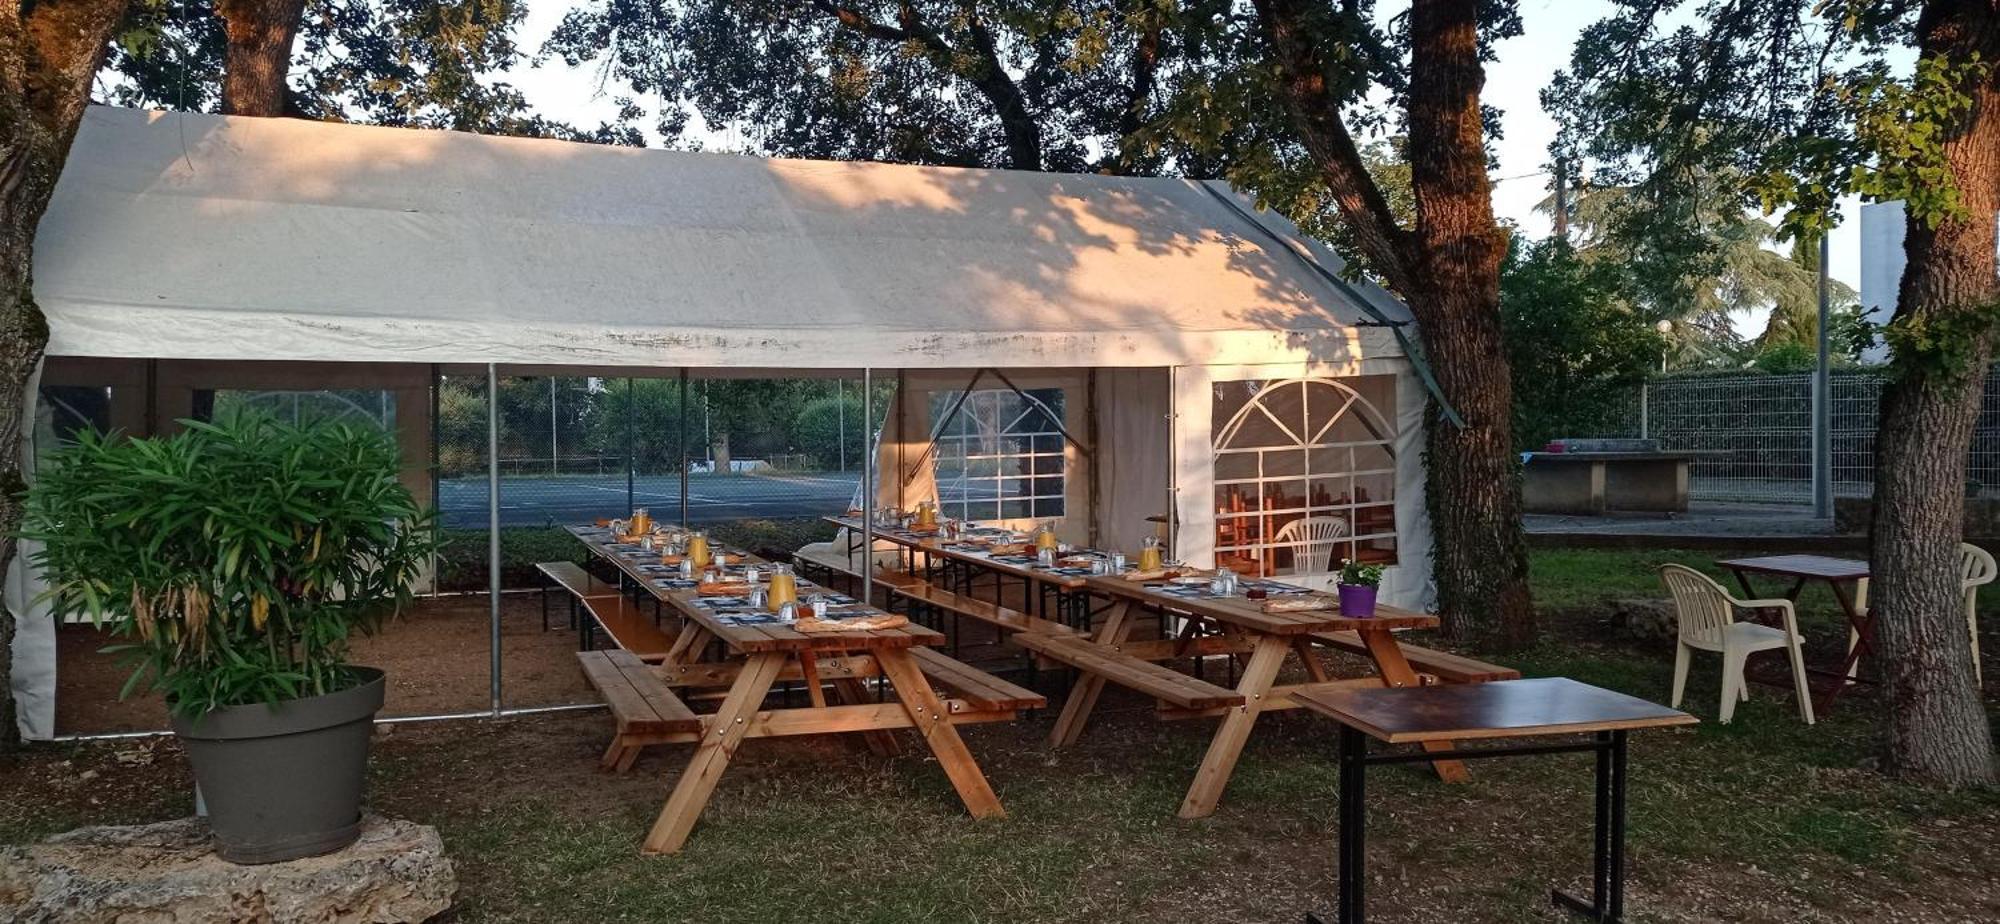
x,y
212,237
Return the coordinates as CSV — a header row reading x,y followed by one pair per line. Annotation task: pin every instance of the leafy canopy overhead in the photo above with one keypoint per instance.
x,y
1023,84
418,63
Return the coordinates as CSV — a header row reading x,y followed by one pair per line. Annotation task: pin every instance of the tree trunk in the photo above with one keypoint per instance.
x,y
1475,494
1938,730
47,60
258,56
718,453
1448,270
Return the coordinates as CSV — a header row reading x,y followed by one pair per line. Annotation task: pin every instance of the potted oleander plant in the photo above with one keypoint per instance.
x,y
1359,585
232,561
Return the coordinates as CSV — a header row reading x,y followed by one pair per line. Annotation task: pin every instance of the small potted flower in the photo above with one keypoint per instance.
x,y
1359,584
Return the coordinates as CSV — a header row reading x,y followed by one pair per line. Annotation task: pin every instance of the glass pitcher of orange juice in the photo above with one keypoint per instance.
x,y
927,515
1149,554
642,521
783,587
1046,539
697,548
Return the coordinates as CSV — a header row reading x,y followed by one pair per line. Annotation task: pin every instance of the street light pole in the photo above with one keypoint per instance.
x,y
1822,407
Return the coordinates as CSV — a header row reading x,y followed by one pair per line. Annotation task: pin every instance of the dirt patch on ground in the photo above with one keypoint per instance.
x,y
436,655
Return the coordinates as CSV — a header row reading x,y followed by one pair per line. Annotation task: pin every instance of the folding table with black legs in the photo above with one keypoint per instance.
x,y
1537,708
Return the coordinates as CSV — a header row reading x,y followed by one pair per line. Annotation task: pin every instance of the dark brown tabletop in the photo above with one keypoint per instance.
x,y
1499,709
1820,567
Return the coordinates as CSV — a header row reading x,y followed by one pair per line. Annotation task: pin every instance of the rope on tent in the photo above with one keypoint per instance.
x,y
1411,349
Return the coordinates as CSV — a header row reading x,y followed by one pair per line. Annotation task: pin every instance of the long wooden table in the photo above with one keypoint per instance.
x,y
1271,639
766,650
933,546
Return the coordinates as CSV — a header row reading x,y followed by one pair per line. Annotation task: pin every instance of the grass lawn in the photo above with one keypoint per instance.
x,y
1762,820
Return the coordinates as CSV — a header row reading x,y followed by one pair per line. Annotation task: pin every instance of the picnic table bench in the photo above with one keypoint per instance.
x,y
761,649
1271,638
581,585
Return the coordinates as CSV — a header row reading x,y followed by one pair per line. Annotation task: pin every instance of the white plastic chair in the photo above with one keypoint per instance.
x,y
1707,616
1976,569
1312,541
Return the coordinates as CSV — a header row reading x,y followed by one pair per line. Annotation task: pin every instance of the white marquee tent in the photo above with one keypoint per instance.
x,y
1211,351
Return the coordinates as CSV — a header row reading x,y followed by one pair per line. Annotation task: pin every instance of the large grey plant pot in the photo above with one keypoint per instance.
x,y
284,781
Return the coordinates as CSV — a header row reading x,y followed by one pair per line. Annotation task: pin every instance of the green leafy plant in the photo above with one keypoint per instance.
x,y
1358,574
234,558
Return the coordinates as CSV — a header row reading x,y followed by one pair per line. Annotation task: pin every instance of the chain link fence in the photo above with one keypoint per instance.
x,y
1752,434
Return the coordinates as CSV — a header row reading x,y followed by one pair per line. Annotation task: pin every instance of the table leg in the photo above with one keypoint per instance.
x,y
1353,857
1862,626
1396,672
927,715
1230,736
1607,885
688,645
711,757
852,692
1083,696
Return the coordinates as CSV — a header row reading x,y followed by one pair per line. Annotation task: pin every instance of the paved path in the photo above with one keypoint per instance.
x,y
1702,519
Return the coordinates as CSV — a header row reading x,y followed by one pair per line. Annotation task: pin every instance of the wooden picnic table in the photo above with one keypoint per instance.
x,y
1477,711
1271,639
934,546
760,652
1846,577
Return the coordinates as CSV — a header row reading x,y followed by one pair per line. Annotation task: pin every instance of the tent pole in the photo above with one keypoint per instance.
x,y
493,528
1091,458
1173,462
631,451
902,427
867,565
437,473
684,448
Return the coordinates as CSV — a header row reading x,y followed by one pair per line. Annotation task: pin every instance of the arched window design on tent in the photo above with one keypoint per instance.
x,y
1305,474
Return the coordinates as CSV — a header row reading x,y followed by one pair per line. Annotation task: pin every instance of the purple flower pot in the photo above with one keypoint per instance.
x,y
1357,600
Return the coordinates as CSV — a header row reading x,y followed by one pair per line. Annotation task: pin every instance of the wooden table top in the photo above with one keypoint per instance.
x,y
742,635
936,545
1242,611
1821,567
1498,709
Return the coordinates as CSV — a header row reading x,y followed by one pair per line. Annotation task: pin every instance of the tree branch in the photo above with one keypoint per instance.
x,y
1315,110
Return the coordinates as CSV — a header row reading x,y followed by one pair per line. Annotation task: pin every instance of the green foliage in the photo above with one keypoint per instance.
x,y
1904,125
234,557
462,556
1016,83
830,430
1360,575
1793,106
418,63
1575,348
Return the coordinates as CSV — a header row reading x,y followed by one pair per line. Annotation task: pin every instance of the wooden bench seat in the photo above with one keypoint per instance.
x,y
1162,683
570,576
975,686
644,708
975,608
629,627
1448,667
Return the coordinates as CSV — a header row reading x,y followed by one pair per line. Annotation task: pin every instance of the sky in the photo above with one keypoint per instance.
x,y
1513,83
